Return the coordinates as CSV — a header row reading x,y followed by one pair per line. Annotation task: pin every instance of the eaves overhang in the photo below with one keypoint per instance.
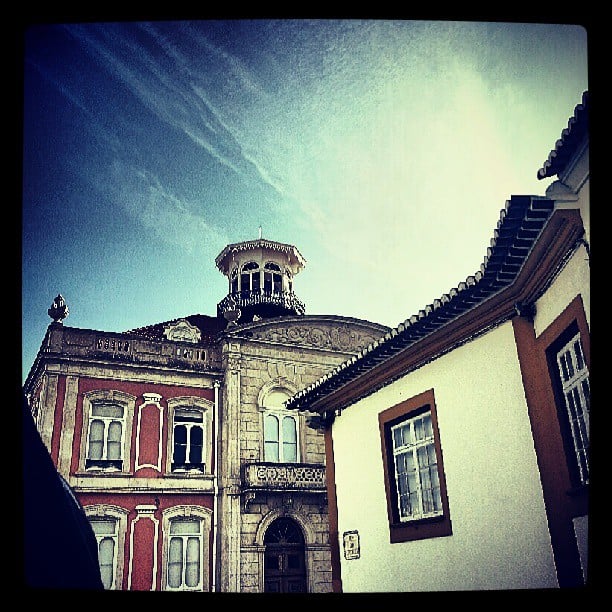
x,y
511,275
292,253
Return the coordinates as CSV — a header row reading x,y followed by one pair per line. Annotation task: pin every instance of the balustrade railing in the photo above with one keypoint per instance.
x,y
242,299
284,476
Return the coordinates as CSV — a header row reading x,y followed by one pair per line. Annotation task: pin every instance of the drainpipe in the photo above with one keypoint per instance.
x,y
215,488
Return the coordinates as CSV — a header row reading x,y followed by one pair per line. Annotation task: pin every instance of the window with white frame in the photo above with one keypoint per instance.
x,y
280,429
415,484
273,279
108,416
188,440
416,470
106,531
574,376
185,554
250,277
109,524
186,535
105,436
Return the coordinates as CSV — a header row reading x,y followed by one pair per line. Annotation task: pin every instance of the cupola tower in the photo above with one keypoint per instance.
x,y
260,275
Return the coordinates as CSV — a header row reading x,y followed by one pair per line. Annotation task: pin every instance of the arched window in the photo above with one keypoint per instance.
x,y
234,281
273,279
250,278
280,428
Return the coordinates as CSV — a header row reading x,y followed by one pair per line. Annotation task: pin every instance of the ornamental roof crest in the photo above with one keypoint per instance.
x,y
182,331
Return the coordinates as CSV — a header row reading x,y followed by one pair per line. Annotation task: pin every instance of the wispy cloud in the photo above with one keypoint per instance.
x,y
146,200
174,90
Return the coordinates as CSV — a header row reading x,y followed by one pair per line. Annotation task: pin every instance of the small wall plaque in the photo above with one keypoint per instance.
x,y
351,544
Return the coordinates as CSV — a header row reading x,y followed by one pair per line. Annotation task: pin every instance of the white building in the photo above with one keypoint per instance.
x,y
458,443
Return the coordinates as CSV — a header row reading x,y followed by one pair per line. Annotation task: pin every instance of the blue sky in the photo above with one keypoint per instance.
x,y
383,149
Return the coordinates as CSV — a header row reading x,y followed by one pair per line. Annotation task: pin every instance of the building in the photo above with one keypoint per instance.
x,y
175,439
472,416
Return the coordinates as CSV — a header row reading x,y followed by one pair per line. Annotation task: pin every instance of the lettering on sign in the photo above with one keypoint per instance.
x,y
286,476
113,344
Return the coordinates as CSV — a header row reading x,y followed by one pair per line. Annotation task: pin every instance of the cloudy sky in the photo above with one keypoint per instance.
x,y
383,149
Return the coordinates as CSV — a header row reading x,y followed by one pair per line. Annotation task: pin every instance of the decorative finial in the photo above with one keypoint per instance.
x,y
260,232
59,310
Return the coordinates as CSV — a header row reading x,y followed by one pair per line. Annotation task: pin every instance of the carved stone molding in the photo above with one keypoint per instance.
x,y
338,338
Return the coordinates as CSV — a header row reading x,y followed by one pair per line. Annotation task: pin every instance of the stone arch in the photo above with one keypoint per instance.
x,y
278,383
268,519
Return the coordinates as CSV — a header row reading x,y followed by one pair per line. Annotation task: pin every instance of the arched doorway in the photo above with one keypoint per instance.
x,y
284,558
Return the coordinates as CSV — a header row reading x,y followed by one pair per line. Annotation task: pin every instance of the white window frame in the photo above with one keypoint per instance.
x,y
273,276
118,516
413,447
198,513
575,384
189,425
280,415
249,270
127,402
196,404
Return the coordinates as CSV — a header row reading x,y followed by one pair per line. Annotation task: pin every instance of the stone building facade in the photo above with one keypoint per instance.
x,y
175,438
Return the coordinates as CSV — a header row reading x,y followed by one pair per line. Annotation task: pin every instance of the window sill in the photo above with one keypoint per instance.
x,y
421,529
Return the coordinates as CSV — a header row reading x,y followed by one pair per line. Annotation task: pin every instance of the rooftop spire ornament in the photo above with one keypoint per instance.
x,y
59,310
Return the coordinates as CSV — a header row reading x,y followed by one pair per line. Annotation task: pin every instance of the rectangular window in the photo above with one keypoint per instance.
x,y
185,554
574,377
188,441
105,438
417,504
280,438
416,468
105,531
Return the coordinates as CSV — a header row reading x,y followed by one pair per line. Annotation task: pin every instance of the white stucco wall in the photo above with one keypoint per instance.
x,y
500,537
572,280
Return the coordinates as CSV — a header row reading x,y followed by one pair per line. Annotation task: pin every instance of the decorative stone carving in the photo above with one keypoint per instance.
x,y
183,331
339,338
284,476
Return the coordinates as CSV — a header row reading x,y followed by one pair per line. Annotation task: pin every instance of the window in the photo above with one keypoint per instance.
x,y
188,445
107,430
106,532
280,429
417,504
573,375
105,437
273,280
250,277
416,468
109,524
280,438
185,554
186,536
234,281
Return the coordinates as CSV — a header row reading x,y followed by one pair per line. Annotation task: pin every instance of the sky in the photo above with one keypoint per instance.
x,y
384,150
